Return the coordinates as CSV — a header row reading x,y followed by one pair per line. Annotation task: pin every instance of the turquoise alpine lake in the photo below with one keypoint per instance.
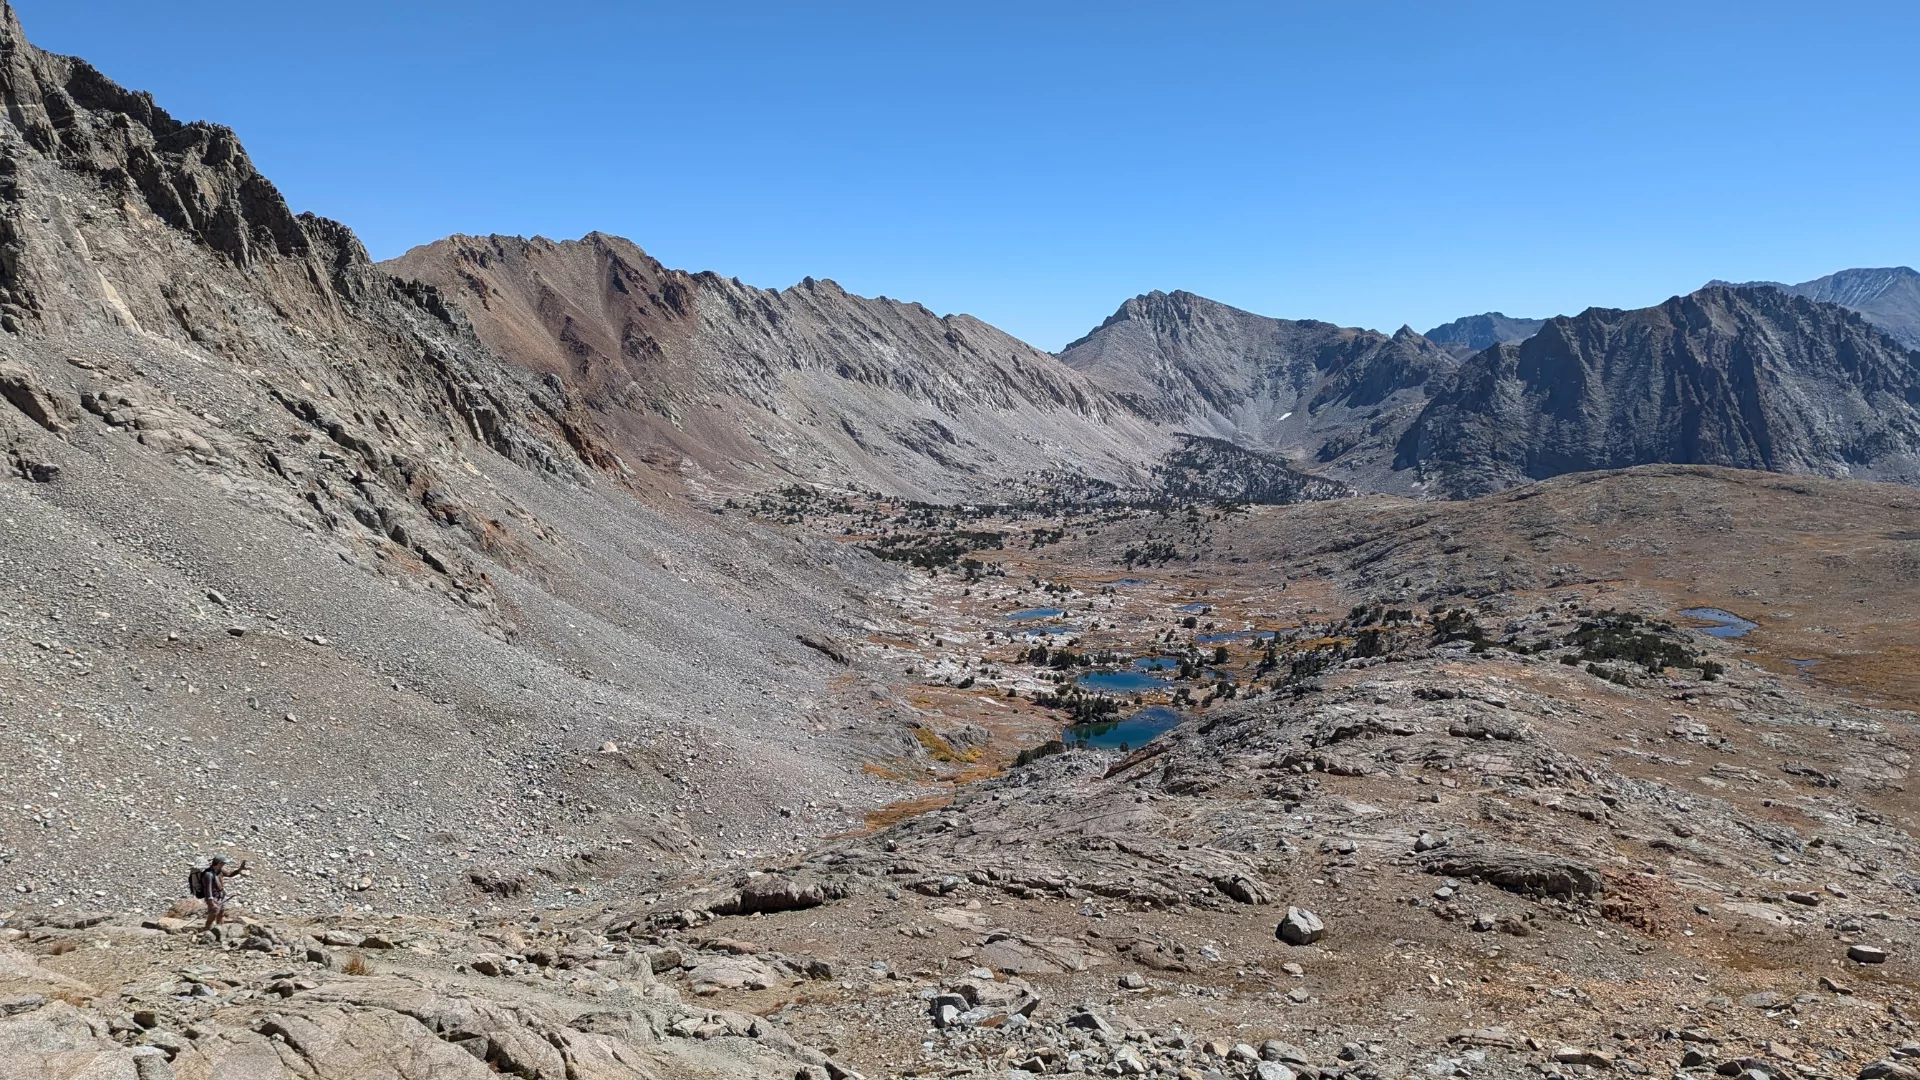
x,y
1123,682
1130,734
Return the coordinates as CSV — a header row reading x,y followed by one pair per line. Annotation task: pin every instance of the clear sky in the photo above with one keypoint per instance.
x,y
1036,163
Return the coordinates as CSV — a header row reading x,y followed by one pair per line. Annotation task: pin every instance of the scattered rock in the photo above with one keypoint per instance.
x,y
1286,1052
1129,1062
1243,889
1086,1021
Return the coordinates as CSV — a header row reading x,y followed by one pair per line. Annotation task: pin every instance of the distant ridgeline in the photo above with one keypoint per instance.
x,y
589,359
1816,379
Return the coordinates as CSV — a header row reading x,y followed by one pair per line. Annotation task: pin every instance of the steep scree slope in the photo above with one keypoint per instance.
x,y
291,564
739,386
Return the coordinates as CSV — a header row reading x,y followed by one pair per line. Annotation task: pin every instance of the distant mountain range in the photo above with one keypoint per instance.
x,y
1888,297
1813,379
1464,337
1752,378
588,358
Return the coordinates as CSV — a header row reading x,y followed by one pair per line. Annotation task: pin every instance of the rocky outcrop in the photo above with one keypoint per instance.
x,y
768,893
24,392
1749,378
1518,871
392,1029
1203,468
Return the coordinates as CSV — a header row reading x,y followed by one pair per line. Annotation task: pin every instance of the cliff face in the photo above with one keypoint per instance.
x,y
756,386
1745,377
194,177
1331,396
122,225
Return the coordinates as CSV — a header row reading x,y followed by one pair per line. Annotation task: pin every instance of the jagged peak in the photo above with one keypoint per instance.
x,y
1716,301
197,177
1184,308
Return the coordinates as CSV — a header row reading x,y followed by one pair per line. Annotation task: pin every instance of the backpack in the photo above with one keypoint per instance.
x,y
197,883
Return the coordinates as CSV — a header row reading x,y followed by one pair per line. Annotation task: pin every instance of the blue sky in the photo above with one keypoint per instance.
x,y
1036,163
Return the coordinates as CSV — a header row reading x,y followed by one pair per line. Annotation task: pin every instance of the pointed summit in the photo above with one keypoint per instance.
x,y
1464,337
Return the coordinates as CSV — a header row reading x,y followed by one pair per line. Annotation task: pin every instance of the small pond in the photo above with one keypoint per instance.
x,y
1130,734
1122,682
1048,630
1729,624
1128,581
1031,614
1158,663
1197,609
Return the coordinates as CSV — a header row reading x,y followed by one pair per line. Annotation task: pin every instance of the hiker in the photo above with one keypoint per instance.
x,y
209,884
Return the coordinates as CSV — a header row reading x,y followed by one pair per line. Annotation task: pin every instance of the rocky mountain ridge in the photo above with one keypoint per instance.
x,y
1746,377
749,388
282,534
1743,376
1888,297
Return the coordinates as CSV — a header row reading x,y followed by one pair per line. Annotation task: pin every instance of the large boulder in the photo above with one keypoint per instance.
x,y
769,893
18,386
731,973
1515,870
1301,927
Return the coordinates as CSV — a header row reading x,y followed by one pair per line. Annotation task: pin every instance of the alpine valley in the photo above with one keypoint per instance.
x,y
612,672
